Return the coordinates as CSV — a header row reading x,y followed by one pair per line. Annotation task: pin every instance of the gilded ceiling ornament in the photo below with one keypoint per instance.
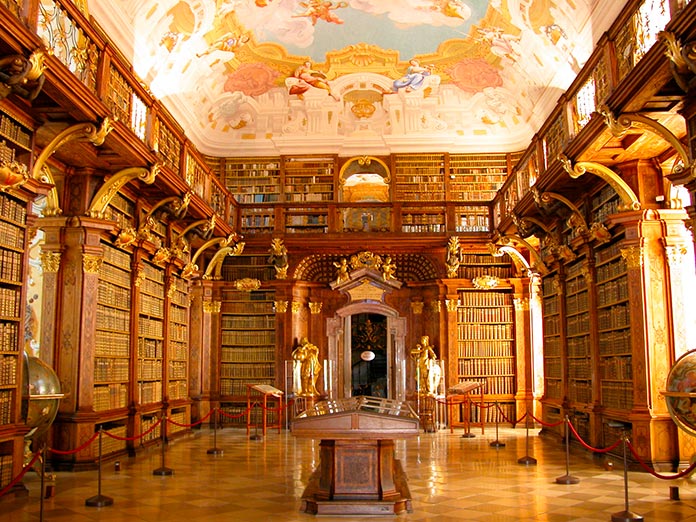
x,y
171,289
247,284
486,282
50,261
587,275
161,256
12,174
126,236
315,307
599,233
363,109
280,307
91,263
189,270
454,255
365,260
279,258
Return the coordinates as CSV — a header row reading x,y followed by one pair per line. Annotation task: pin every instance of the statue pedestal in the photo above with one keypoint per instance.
x,y
357,473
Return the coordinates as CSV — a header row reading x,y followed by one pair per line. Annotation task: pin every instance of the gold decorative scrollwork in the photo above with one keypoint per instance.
x,y
247,284
50,262
91,263
486,282
111,186
451,304
138,277
633,256
435,306
521,303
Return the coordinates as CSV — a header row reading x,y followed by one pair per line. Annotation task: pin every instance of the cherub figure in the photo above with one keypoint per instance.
x,y
342,273
388,269
317,10
228,43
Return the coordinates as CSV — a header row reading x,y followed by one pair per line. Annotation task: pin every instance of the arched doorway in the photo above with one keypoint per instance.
x,y
349,328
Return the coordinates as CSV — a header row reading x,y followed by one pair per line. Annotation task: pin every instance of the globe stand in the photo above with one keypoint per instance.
x,y
163,470
496,443
626,515
98,500
527,460
215,450
567,478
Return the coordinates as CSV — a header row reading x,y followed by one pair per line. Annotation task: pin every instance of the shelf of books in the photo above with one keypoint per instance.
x,y
472,218
476,177
247,267
248,343
257,220
177,340
306,220
577,306
150,334
112,335
13,215
419,177
309,178
252,180
486,349
553,344
614,327
473,265
423,219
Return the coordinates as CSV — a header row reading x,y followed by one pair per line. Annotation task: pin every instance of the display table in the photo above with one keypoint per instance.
x,y
263,394
357,473
461,395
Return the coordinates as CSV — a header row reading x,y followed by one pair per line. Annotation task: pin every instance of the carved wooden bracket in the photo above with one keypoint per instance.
x,y
111,186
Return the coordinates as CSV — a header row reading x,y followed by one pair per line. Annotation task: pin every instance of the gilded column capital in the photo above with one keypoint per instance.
x,y
280,306
91,263
315,307
417,307
212,307
50,262
633,256
436,306
675,255
451,304
521,304
296,307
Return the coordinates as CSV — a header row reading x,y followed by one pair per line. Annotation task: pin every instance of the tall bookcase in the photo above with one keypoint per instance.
x,y
474,265
419,177
476,177
486,349
309,178
150,334
553,343
177,341
13,238
577,305
253,180
248,345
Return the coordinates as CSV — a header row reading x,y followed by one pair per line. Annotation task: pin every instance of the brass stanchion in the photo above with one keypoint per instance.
x,y
215,450
626,515
496,443
98,500
163,470
567,478
527,460
43,482
256,435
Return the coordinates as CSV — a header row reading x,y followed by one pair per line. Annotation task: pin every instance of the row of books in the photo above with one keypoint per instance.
x,y
620,368
264,354
152,348
152,288
484,315
579,346
246,371
149,392
251,321
178,315
578,324
110,444
113,295
486,366
117,257
115,344
248,307
178,390
617,395
11,268
618,316
9,337
151,305
13,131
178,332
612,291
615,342
7,154
579,368
149,428
8,370
11,236
116,275
429,193
484,348
6,407
552,345
611,270
150,369
608,253
178,350
178,370
552,325
10,299
484,331
575,285
110,397
483,299
113,319
106,370
148,327
503,413
6,469
577,302
239,387
553,367
248,337
410,229
179,421
580,391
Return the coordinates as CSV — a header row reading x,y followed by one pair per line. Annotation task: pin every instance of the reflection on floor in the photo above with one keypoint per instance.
x,y
450,478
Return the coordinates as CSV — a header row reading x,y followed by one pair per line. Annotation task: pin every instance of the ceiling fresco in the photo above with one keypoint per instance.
x,y
250,77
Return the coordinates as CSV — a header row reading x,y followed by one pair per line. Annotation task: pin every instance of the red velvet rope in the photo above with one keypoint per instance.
x,y
136,437
231,416
587,446
506,419
70,452
681,474
547,424
279,408
26,468
193,423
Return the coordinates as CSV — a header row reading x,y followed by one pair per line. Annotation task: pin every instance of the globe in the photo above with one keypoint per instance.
x,y
41,396
681,392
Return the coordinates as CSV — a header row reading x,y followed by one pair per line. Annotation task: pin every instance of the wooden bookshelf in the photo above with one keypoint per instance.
x,y
553,343
248,266
306,220
473,264
309,178
486,349
472,218
476,177
150,354
113,331
257,219
247,342
177,339
419,177
579,360
423,219
252,180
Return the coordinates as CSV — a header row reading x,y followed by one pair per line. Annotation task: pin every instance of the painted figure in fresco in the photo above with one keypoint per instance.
x,y
502,44
317,10
306,78
305,369
428,370
342,272
228,43
414,77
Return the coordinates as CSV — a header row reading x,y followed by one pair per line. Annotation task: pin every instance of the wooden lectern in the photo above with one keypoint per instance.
x,y
357,473
265,394
461,395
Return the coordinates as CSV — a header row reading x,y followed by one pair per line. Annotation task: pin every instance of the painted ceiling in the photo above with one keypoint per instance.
x,y
257,77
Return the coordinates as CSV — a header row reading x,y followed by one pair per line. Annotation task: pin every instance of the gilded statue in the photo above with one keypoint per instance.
x,y
453,257
342,271
305,369
388,269
428,371
278,257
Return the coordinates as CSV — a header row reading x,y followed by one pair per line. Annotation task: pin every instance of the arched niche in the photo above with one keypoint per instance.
x,y
364,181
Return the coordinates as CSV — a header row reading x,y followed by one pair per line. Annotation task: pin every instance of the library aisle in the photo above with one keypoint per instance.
x,y
451,478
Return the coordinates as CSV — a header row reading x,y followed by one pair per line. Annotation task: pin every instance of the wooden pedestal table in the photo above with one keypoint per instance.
x,y
461,395
357,473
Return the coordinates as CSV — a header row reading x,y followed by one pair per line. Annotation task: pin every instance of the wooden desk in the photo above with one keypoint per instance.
x,y
263,394
461,395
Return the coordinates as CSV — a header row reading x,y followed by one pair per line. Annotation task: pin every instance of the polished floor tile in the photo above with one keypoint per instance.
x,y
451,478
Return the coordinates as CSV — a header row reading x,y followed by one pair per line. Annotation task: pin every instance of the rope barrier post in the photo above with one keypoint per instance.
x,y
163,470
496,443
43,483
215,450
625,515
256,435
527,460
98,500
567,478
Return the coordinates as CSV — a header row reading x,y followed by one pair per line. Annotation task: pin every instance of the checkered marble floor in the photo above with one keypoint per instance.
x,y
450,477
